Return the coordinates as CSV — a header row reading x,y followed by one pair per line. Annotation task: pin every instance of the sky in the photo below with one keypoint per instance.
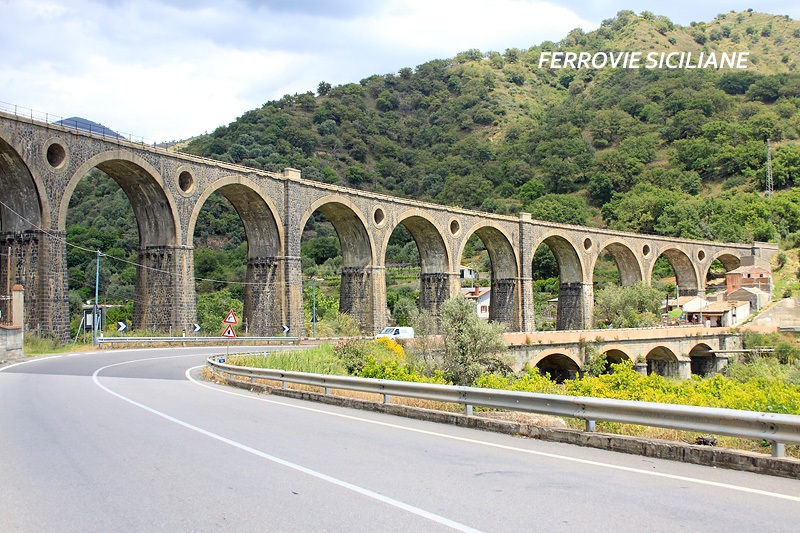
x,y
167,70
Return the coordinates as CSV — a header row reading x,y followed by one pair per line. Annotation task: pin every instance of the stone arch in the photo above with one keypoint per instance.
x,y
663,361
259,215
358,249
574,294
152,203
686,274
615,354
560,364
504,303
264,302
434,254
165,298
29,254
359,294
628,265
21,191
729,262
703,360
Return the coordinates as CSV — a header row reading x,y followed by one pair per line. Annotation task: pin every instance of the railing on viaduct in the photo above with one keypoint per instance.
x,y
41,164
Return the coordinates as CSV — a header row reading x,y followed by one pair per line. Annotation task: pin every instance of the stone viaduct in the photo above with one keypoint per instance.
x,y
674,351
41,164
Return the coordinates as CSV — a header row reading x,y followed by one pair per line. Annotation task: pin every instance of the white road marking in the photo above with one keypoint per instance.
x,y
511,448
344,484
29,361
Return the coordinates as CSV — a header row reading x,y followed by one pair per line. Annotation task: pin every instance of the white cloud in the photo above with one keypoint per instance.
x,y
171,69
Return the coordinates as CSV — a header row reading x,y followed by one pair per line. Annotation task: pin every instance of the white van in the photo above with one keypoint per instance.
x,y
396,332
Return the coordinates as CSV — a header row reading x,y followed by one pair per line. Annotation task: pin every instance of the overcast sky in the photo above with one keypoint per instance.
x,y
171,69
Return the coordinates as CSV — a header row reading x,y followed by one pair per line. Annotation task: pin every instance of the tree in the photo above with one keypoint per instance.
x,y
628,307
471,346
212,309
562,208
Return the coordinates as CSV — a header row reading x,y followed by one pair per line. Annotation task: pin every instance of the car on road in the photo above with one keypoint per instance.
x,y
396,332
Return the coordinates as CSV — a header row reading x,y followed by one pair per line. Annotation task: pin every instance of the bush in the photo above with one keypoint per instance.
x,y
471,346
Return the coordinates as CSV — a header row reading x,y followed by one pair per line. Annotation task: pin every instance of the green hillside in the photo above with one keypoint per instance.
x,y
679,152
672,151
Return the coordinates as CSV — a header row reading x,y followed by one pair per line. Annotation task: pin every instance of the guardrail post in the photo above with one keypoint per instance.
x,y
778,449
468,409
284,385
327,391
387,398
591,426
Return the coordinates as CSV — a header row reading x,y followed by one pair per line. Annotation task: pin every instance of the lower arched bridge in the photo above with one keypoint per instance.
x,y
42,163
669,351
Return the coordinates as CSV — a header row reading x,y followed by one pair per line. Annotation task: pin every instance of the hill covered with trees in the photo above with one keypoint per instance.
x,y
679,152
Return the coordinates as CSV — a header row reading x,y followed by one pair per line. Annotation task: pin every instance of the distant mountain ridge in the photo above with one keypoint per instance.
x,y
85,124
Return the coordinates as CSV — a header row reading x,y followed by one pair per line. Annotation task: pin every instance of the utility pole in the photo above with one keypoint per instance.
x,y
769,170
96,309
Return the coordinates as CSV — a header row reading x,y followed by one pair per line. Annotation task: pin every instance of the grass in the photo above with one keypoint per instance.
x,y
316,360
33,345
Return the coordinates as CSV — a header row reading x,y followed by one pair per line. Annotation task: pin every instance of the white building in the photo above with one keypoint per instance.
x,y
481,296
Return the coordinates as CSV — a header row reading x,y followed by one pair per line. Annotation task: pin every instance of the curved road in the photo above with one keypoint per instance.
x,y
135,441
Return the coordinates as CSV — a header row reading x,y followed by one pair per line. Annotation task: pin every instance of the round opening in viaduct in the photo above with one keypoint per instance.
x,y
454,227
185,181
701,255
56,155
587,244
645,250
379,216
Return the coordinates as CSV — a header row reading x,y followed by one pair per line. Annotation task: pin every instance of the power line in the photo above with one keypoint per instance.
x,y
126,261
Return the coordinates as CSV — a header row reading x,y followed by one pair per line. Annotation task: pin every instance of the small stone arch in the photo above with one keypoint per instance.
x,y
703,360
628,265
560,364
615,354
663,361
504,305
686,273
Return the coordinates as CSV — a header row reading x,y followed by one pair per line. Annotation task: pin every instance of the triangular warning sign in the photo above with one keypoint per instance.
x,y
229,333
231,318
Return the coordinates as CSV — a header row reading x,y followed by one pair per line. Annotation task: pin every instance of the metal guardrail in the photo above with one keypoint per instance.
x,y
222,340
779,429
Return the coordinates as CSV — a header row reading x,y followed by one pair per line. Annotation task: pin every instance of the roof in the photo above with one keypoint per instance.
x,y
752,290
719,307
474,293
750,270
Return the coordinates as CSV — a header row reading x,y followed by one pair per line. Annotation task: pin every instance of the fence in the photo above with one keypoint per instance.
x,y
779,429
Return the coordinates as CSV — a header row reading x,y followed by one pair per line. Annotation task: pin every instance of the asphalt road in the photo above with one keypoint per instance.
x,y
136,441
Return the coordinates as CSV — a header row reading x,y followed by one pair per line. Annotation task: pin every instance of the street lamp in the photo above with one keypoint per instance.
x,y
314,305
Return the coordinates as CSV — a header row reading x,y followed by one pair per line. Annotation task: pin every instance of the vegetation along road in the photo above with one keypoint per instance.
x,y
135,440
